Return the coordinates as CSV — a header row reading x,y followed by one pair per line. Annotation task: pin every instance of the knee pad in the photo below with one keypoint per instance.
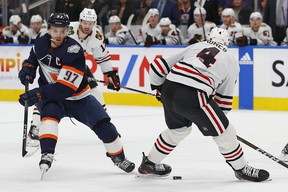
x,y
106,131
174,136
49,129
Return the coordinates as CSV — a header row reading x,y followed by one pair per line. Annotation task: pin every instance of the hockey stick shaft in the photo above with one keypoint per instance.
x,y
128,88
24,139
262,151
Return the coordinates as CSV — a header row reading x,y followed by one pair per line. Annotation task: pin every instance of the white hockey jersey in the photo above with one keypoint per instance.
x,y
195,30
8,33
263,35
94,45
207,66
32,34
122,36
174,36
232,30
147,29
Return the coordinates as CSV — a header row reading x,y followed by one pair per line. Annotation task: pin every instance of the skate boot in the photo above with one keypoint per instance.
x,y
123,164
252,174
46,161
284,154
33,132
148,167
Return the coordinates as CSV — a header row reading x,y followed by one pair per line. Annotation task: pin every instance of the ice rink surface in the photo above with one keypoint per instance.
x,y
81,164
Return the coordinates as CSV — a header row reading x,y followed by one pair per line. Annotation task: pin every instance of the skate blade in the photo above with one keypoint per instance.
x,y
43,171
139,175
31,150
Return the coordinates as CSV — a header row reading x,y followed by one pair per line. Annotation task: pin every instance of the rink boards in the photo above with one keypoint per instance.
x,y
262,85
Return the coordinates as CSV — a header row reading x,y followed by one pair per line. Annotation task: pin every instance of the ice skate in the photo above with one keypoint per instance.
x,y
252,174
284,154
123,164
148,167
45,163
32,143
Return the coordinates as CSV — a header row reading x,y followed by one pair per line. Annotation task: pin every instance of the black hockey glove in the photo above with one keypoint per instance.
x,y
33,96
158,91
114,80
23,39
28,71
242,41
106,41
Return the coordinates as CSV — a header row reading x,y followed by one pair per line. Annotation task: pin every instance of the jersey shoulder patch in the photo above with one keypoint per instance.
x,y
99,35
73,48
71,30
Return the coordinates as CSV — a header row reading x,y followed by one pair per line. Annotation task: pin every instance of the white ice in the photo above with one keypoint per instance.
x,y
81,164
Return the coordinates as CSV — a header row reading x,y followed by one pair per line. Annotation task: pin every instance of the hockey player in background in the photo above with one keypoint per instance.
x,y
151,29
196,31
64,92
284,154
92,41
36,26
257,33
197,86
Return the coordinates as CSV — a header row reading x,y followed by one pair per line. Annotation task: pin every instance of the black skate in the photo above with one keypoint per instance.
x,y
123,164
32,142
45,162
33,132
148,167
284,154
252,174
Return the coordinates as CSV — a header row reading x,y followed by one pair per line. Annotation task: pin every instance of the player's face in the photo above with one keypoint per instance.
x,y
255,22
58,35
198,19
115,27
165,29
227,19
153,20
87,26
36,26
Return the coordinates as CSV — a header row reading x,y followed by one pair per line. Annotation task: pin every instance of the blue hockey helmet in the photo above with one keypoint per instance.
x,y
58,20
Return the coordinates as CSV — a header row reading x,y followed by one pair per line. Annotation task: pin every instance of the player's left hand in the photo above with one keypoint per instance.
x,y
33,96
114,80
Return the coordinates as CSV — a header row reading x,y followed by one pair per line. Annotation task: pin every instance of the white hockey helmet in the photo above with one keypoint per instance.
x,y
165,21
199,11
219,35
256,15
35,18
114,19
15,19
228,12
153,12
88,15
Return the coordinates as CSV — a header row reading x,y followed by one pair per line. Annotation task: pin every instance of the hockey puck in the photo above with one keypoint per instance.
x,y
177,177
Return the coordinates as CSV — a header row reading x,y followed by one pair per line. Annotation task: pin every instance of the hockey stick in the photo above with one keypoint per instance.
x,y
262,151
197,5
129,27
128,88
24,139
144,22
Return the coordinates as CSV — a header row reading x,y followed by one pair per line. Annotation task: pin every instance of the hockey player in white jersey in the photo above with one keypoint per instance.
x,y
92,41
284,154
229,23
257,33
195,31
197,86
151,29
36,26
119,34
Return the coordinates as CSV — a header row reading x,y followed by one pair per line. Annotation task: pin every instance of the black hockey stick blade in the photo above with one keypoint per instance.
x,y
24,139
262,151
128,88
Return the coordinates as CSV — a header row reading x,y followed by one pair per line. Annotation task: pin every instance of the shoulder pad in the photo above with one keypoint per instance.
x,y
246,26
232,26
6,28
263,25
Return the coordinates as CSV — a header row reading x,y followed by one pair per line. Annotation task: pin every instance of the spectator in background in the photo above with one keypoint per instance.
x,y
230,24
36,26
9,13
211,8
242,13
16,32
167,8
142,10
72,8
184,11
199,30
261,4
123,9
276,16
119,33
257,33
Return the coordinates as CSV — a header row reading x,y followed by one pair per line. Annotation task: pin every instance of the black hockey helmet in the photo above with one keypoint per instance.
x,y
58,20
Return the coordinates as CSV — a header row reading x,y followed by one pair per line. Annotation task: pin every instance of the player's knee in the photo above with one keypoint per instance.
x,y
174,136
105,130
228,139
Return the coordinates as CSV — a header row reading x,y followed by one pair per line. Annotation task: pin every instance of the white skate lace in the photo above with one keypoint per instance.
x,y
159,167
250,171
48,157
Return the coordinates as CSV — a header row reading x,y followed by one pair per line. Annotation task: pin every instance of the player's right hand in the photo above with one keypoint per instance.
x,y
27,73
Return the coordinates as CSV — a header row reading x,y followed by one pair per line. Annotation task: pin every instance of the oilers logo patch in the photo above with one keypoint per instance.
x,y
99,35
73,49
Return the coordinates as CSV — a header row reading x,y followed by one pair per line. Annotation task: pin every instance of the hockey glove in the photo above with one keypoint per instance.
x,y
27,72
23,39
242,41
33,96
158,91
114,80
